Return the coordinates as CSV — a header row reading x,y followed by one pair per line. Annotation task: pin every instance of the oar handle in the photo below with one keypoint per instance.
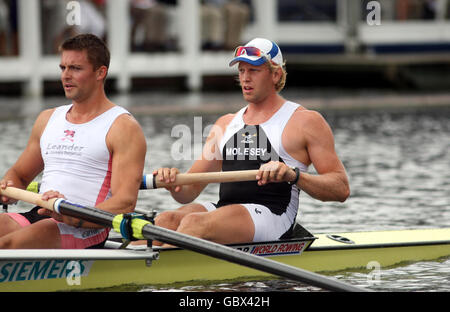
x,y
150,181
27,196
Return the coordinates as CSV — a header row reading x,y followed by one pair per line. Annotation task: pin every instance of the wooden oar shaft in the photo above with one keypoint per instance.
x,y
150,231
152,182
27,196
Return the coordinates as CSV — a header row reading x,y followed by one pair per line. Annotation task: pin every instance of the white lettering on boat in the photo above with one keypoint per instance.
x,y
12,271
272,249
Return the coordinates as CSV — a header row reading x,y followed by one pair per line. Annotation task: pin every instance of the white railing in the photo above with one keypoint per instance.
x,y
32,68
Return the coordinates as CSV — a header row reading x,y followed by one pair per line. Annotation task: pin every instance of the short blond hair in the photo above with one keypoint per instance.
x,y
273,67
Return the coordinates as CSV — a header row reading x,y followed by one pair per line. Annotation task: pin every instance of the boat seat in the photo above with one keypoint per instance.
x,y
296,231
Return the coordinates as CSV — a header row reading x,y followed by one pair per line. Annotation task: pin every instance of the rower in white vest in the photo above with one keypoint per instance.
x,y
90,152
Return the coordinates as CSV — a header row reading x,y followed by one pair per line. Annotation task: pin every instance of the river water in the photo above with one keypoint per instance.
x,y
398,162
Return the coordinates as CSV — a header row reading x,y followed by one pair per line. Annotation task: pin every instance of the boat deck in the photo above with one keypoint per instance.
x,y
50,270
380,239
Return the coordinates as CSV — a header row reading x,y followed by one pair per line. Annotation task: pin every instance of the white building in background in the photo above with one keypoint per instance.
x,y
356,24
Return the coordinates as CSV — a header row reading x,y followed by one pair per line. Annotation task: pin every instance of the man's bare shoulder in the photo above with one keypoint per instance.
x,y
224,120
307,117
126,126
125,131
42,119
45,114
127,120
311,124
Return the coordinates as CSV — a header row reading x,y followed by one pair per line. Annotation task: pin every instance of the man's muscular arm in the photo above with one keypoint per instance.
x,y
331,183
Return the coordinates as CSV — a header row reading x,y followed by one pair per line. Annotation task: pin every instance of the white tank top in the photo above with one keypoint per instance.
x,y
77,162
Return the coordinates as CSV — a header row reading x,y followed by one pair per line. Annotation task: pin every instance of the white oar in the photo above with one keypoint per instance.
x,y
145,230
150,181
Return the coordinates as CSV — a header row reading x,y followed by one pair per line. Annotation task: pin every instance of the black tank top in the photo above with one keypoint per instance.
x,y
247,147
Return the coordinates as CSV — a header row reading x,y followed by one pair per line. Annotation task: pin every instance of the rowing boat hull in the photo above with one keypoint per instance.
x,y
349,251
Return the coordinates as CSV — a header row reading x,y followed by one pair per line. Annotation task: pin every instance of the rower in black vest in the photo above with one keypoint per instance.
x,y
280,139
246,147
